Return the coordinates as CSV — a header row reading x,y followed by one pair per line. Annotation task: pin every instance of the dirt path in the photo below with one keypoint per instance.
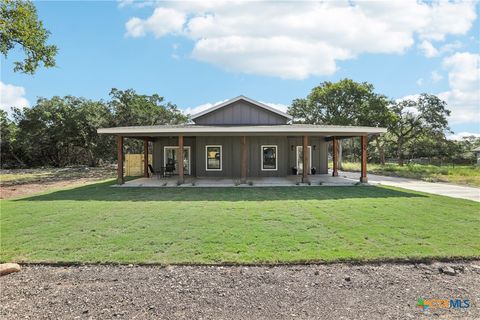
x,y
22,182
336,291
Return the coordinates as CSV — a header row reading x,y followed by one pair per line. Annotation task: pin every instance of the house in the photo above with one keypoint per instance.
x,y
242,138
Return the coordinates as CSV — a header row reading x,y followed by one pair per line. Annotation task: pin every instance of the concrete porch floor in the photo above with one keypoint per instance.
x,y
315,180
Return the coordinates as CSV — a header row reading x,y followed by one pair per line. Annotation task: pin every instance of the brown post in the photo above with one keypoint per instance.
x,y
363,177
335,157
243,159
306,161
145,158
180,159
120,179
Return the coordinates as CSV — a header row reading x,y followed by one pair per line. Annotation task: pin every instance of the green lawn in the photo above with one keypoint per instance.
x,y
97,223
467,175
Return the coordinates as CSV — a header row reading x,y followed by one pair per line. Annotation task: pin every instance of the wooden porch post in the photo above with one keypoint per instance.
x,y
180,151
363,177
335,156
120,179
145,158
306,161
243,159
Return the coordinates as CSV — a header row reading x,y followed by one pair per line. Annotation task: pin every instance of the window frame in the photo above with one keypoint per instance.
x,y
276,156
206,156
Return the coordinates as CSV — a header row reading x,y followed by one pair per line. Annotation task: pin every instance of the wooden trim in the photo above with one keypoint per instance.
x,y
364,143
145,158
306,161
180,153
243,159
335,157
120,179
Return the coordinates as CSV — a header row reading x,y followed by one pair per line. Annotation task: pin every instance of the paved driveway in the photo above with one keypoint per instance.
x,y
444,189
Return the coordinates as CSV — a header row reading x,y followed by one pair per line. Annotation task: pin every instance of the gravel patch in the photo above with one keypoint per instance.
x,y
334,291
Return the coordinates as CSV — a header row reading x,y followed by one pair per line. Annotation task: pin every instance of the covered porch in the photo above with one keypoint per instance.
x,y
183,177
291,180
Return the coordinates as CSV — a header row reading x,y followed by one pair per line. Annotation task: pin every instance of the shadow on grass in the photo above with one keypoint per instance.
x,y
103,192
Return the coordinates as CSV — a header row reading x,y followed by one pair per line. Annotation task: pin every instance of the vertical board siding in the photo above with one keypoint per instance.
x,y
231,154
241,113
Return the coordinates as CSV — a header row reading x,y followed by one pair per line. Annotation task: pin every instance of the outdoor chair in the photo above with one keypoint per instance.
x,y
169,169
153,173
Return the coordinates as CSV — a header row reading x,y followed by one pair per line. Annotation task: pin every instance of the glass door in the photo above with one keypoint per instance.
x,y
300,159
170,157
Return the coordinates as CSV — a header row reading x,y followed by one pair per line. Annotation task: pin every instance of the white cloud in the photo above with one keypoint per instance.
x,y
461,135
428,49
162,22
299,39
419,82
12,96
463,96
435,76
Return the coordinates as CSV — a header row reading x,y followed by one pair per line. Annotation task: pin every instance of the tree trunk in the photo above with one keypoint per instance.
x,y
400,153
381,151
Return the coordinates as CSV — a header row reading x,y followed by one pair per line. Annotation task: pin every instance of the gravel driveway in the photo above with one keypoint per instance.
x,y
335,291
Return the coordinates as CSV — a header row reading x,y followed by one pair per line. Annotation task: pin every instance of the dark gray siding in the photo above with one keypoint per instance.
x,y
161,142
231,154
241,113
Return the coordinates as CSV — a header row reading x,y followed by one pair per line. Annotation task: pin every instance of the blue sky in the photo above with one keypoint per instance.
x,y
197,53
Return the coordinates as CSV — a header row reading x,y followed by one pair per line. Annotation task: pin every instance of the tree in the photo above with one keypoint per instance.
x,y
132,109
19,25
8,132
63,130
425,116
343,103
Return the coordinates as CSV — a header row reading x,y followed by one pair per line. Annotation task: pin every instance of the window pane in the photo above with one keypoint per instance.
x,y
270,158
214,158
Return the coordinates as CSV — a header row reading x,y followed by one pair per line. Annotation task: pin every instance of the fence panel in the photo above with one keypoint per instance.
x,y
134,164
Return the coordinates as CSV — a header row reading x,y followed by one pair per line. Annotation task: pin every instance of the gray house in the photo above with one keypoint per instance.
x,y
241,138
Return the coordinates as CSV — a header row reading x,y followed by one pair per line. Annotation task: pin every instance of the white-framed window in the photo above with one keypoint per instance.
x,y
214,158
269,154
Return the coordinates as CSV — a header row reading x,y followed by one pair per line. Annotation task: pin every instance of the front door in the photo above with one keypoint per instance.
x,y
300,158
170,156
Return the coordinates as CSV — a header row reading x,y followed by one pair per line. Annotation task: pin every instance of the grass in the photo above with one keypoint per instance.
x,y
467,175
97,223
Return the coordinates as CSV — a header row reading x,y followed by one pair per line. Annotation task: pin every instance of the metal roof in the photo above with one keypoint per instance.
x,y
287,129
241,97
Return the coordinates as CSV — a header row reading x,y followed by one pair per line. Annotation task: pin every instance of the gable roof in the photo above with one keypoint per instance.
x,y
241,97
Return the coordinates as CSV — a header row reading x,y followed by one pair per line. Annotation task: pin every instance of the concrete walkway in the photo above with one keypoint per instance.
x,y
444,189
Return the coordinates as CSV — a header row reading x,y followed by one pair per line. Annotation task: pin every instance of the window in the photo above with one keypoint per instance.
x,y
214,158
269,158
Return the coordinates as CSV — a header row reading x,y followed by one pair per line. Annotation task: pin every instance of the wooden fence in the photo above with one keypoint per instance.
x,y
134,164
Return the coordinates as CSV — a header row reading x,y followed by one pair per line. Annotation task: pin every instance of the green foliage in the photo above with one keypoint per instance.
x,y
425,116
345,102
63,131
19,25
97,223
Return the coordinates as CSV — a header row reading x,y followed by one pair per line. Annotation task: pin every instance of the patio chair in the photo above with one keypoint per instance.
x,y
154,173
169,169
